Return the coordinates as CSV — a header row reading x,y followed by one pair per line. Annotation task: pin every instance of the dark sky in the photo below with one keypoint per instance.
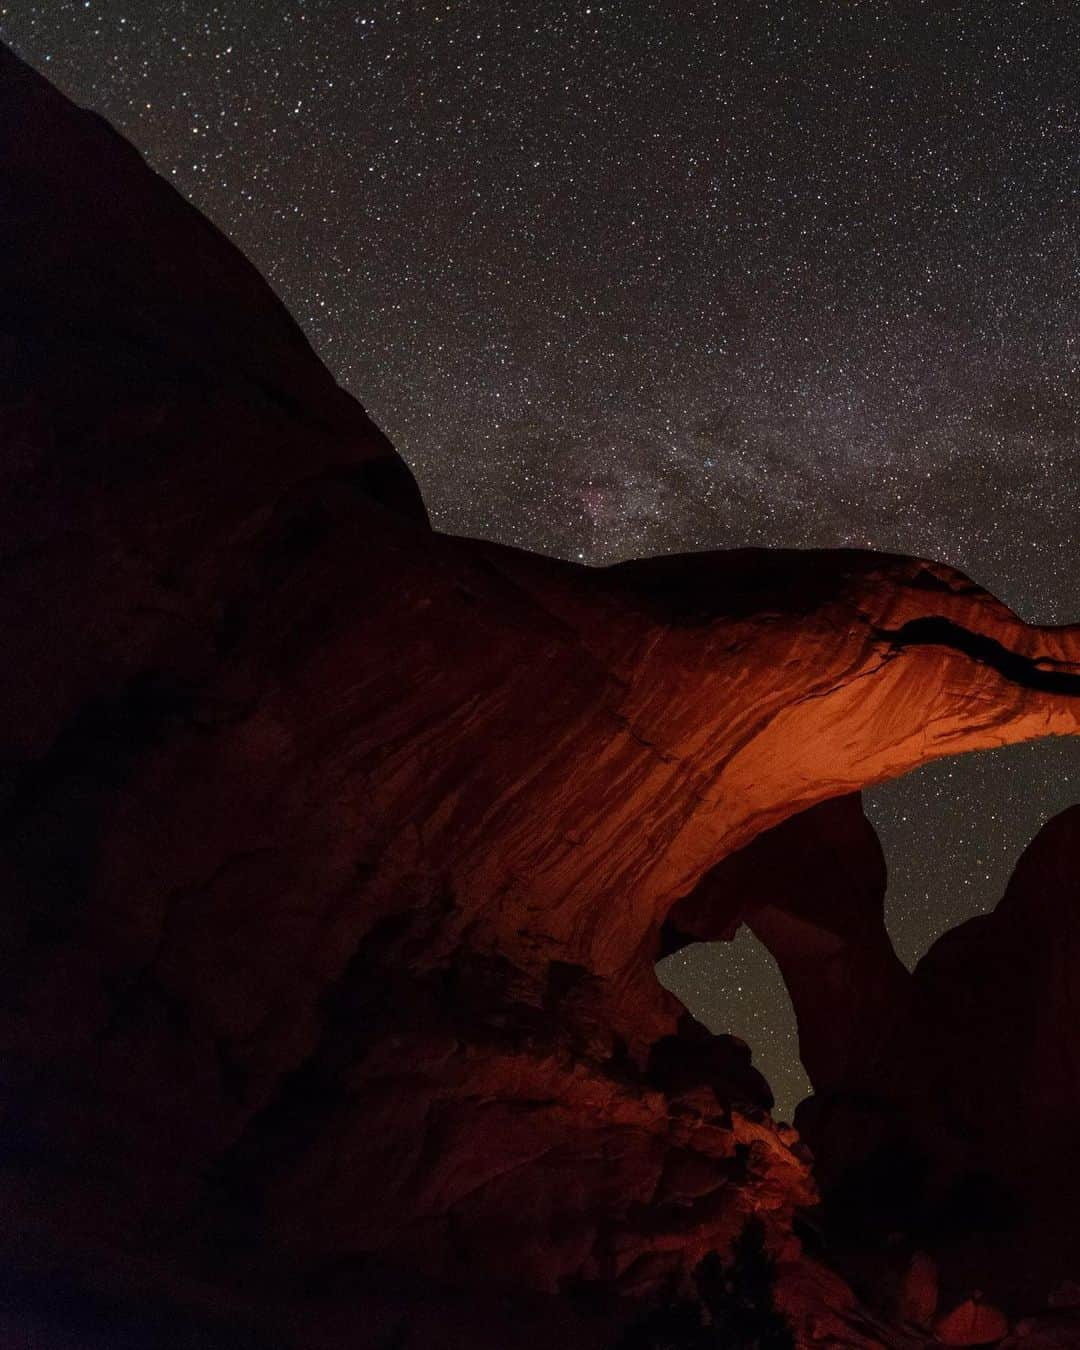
x,y
625,278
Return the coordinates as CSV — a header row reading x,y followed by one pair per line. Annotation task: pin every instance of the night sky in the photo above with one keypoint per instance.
x,y
619,279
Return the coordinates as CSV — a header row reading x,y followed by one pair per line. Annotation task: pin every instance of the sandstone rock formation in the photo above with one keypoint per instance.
x,y
812,890
971,1322
959,1126
336,853
945,1103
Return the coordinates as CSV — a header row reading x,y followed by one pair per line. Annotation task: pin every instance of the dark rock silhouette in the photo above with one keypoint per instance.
x,y
972,1092
812,889
336,853
945,1105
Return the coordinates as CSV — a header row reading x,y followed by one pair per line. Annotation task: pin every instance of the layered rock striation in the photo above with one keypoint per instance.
x,y
336,853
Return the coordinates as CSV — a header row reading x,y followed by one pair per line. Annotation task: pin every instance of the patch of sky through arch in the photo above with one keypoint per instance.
x,y
952,832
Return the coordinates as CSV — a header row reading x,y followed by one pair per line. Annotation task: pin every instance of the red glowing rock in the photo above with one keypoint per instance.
x,y
919,1290
971,1322
336,853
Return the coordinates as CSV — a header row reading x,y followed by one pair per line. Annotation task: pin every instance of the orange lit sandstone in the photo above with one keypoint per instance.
x,y
336,852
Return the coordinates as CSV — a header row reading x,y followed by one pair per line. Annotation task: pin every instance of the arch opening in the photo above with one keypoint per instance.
x,y
736,988
875,884
953,830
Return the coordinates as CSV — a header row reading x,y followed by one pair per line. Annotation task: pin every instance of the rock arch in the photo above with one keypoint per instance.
x,y
335,851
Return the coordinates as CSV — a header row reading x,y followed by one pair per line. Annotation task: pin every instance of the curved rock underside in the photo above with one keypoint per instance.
x,y
336,853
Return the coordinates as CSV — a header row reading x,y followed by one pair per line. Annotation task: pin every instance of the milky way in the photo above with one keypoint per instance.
x,y
624,278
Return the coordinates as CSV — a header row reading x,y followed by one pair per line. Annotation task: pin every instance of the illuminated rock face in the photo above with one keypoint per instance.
x,y
335,852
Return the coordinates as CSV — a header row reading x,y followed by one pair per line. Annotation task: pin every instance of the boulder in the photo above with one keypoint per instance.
x,y
971,1322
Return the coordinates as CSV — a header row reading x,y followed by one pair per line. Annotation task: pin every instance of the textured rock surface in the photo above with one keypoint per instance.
x,y
971,1323
958,1126
946,1100
812,890
335,854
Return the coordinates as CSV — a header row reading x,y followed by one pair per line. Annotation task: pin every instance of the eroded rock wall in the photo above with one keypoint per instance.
x,y
334,852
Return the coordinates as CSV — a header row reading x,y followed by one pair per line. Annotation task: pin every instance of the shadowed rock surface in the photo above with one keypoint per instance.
x,y
335,853
812,891
958,1127
945,1109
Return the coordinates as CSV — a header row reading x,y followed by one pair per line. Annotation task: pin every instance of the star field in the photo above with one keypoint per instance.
x,y
625,278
